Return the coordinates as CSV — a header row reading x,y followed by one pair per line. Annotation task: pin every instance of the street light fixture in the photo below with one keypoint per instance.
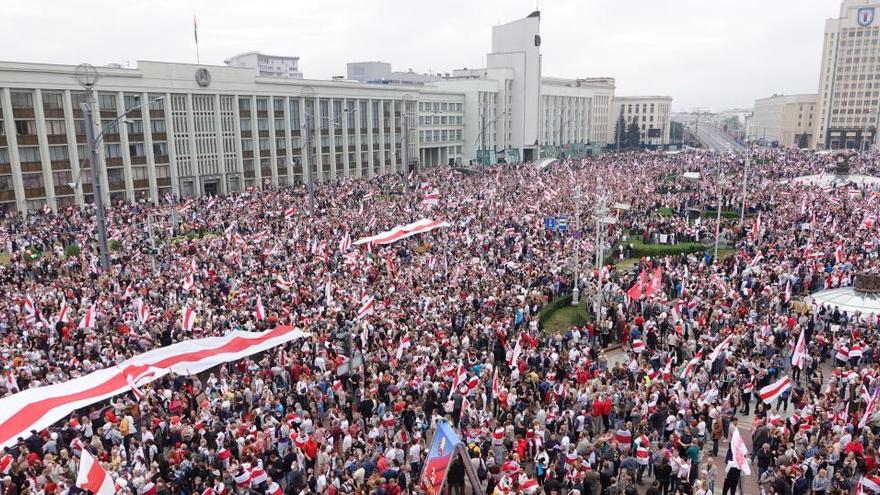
x,y
308,93
87,76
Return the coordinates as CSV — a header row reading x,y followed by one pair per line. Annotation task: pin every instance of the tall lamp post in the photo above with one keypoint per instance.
x,y
576,291
308,93
718,216
87,76
602,219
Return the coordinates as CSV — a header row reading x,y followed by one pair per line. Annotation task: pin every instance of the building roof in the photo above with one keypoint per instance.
x,y
245,54
847,299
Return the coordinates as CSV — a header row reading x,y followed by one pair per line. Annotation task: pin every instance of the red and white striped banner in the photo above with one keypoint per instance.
x,y
39,408
402,232
774,390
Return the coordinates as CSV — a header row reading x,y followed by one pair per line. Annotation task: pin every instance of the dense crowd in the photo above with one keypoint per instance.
x,y
559,407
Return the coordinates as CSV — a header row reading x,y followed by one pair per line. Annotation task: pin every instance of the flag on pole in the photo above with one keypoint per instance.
x,y
800,350
92,477
195,30
189,319
261,312
739,452
88,320
367,307
774,390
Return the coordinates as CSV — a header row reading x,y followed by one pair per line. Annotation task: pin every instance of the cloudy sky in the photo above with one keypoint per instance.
x,y
711,54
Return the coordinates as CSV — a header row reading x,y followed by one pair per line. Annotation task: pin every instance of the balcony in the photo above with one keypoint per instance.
x,y
81,138
249,174
161,159
60,165
109,114
56,139
136,137
113,162
245,134
245,114
5,168
160,136
265,153
53,113
142,184
163,182
157,114
138,160
247,154
7,195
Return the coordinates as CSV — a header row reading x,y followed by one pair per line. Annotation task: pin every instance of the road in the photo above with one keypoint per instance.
x,y
714,138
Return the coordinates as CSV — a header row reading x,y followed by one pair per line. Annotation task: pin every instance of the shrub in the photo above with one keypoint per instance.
x,y
72,251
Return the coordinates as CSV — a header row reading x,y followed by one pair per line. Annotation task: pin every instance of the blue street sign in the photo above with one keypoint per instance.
x,y
562,224
550,223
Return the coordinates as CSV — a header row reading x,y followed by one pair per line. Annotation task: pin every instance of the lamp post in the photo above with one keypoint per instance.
x,y
718,217
742,210
602,218
87,76
308,92
576,292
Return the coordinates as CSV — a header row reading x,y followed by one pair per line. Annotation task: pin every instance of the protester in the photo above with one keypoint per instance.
x,y
455,332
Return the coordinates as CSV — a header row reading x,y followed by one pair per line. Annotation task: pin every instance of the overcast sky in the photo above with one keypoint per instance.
x,y
712,54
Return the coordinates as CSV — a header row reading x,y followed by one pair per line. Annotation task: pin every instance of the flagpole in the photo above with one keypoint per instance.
x,y
196,36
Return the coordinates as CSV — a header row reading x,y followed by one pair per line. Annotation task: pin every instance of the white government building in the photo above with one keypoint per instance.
x,y
231,128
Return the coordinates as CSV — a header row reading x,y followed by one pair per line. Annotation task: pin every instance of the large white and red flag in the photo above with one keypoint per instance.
x,y
345,243
638,289
869,410
800,350
402,232
40,407
838,252
88,320
739,452
773,391
92,477
720,347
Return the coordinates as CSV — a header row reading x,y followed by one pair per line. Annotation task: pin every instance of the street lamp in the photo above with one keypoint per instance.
x,y
87,76
721,180
308,93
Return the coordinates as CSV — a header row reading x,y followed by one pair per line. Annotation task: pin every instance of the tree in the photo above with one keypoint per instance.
x,y
633,135
803,141
620,133
676,131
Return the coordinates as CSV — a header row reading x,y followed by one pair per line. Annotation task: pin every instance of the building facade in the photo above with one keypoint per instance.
x,y
848,109
267,65
783,119
653,114
217,133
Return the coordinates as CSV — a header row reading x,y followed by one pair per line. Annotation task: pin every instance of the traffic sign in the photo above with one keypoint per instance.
x,y
550,223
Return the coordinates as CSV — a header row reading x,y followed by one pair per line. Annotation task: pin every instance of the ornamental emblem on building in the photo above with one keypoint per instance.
x,y
865,16
203,77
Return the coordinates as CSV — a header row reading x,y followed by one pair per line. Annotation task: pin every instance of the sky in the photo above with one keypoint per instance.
x,y
706,54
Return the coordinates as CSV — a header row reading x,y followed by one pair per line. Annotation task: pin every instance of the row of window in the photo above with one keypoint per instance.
x,y
440,135
440,106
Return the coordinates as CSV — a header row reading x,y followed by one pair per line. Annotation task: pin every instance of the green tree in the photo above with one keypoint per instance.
x,y
803,141
633,135
676,131
620,133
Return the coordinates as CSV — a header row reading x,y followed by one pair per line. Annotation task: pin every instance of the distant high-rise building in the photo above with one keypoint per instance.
x,y
848,109
267,65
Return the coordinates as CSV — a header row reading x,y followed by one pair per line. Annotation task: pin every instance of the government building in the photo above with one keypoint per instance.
x,y
210,130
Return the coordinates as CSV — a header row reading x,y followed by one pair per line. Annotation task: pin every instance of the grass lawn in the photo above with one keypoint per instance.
x,y
559,320
641,249
4,258
665,212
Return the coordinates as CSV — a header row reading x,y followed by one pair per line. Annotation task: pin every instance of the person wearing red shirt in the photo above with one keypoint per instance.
x,y
855,446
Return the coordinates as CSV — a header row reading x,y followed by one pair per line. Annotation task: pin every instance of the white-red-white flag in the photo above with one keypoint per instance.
x,y
211,202
367,307
800,350
261,311
189,318
92,477
774,390
289,213
189,282
739,452
345,243
62,312
405,342
88,320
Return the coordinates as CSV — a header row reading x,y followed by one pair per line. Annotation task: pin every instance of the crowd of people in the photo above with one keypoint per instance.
x,y
642,398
